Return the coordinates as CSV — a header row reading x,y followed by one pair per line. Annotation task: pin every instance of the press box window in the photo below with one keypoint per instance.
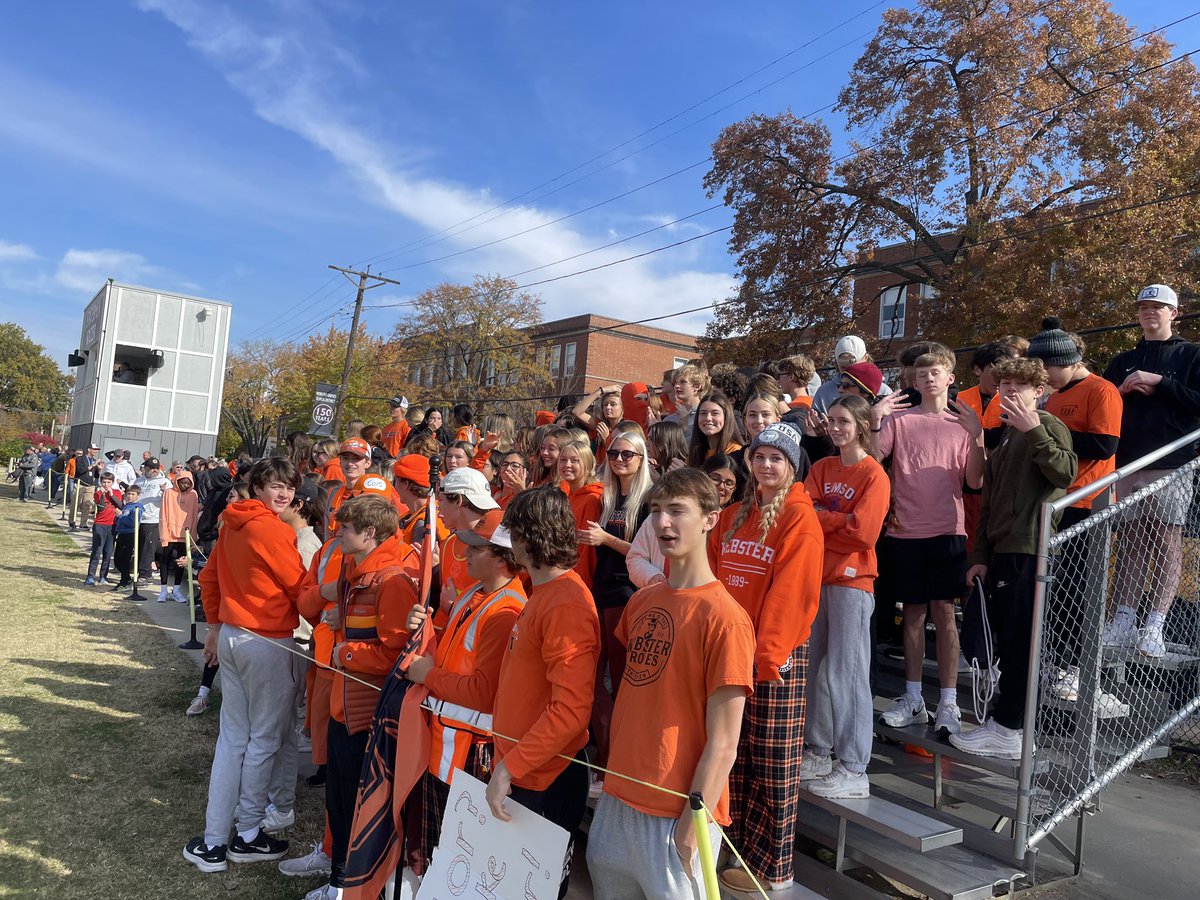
x,y
135,365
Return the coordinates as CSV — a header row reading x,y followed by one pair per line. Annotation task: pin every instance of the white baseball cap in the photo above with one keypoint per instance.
x,y
469,483
853,345
1159,293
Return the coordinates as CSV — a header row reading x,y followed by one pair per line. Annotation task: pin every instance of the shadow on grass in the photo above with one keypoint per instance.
x,y
102,777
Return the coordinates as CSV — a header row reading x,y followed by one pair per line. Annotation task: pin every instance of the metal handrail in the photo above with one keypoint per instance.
x,y
1128,469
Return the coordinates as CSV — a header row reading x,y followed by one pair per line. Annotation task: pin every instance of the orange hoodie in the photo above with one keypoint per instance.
x,y
778,581
586,504
855,500
325,568
178,514
254,573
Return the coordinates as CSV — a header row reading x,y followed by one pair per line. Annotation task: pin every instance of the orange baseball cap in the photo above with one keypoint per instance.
x,y
356,447
414,468
372,484
487,532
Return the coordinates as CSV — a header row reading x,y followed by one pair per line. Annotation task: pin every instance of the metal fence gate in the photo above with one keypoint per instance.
x,y
1116,635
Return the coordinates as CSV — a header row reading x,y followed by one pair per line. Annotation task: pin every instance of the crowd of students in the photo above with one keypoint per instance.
x,y
686,585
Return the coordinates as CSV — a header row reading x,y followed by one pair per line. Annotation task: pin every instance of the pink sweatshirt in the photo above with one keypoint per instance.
x,y
178,513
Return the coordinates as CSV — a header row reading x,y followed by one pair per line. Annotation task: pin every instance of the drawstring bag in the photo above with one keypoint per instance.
x,y
978,648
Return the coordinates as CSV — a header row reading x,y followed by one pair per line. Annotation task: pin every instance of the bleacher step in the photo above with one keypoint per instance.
x,y
907,827
922,736
949,873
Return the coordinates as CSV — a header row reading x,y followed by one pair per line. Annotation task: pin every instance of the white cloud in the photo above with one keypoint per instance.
x,y
288,79
16,252
87,270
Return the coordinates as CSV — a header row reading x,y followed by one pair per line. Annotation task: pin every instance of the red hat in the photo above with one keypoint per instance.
x,y
487,532
866,375
356,447
633,399
414,468
372,484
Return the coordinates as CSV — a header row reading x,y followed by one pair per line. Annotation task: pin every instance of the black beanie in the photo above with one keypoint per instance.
x,y
1053,346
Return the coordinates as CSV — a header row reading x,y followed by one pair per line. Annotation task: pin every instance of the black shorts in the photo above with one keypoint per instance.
x,y
917,570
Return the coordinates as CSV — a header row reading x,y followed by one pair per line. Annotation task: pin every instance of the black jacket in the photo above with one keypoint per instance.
x,y
1173,410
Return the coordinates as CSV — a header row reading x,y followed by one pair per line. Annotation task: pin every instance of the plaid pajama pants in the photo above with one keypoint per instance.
x,y
434,794
764,784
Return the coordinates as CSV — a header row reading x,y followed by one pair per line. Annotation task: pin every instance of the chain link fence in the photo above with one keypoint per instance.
x,y
1119,643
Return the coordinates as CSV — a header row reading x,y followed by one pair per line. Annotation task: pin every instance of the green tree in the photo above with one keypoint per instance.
x,y
469,343
29,378
1007,140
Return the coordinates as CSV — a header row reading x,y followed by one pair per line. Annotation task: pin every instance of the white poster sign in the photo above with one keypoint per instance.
x,y
480,856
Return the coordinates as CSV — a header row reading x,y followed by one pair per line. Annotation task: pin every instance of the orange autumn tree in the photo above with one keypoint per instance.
x,y
1041,157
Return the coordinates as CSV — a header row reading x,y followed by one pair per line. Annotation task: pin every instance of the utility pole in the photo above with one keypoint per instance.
x,y
363,287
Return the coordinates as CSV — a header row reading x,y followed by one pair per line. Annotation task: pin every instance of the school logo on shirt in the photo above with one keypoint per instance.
x,y
833,494
651,638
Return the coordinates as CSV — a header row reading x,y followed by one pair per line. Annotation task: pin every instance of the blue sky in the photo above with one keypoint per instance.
x,y
233,150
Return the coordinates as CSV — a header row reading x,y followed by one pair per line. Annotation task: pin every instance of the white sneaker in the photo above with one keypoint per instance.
x,y
1109,706
162,594
947,719
1120,632
316,863
842,784
1150,642
1064,684
813,766
275,821
303,741
903,713
325,892
177,595
198,706
989,740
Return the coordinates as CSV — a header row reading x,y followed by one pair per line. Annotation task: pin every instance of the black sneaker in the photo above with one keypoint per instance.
x,y
204,857
317,778
263,848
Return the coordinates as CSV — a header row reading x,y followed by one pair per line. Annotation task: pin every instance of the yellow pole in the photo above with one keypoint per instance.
x,y
708,865
75,504
187,540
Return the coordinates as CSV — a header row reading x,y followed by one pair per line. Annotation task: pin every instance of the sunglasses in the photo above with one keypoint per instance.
x,y
623,455
845,385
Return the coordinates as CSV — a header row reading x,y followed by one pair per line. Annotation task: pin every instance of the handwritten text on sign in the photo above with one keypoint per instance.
x,y
479,856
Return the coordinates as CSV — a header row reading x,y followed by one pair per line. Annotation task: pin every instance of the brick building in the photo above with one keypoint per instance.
x,y
585,352
894,311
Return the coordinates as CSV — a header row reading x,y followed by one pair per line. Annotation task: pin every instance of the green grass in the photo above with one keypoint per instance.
x,y
102,777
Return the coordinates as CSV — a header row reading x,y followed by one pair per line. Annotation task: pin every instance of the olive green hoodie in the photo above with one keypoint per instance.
x,y
1027,469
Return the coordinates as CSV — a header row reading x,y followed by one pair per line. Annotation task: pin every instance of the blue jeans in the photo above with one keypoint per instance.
x,y
102,550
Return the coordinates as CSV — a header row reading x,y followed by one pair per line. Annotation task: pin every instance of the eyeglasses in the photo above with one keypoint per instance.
x,y
513,465
623,455
846,385
724,482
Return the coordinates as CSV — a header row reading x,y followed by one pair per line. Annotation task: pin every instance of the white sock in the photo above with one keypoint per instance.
x,y
1156,620
249,836
950,696
204,692
912,690
1125,614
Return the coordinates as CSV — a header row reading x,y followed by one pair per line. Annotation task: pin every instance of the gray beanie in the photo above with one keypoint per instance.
x,y
1053,346
783,437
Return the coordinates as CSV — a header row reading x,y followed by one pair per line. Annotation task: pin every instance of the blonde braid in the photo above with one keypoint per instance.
x,y
750,502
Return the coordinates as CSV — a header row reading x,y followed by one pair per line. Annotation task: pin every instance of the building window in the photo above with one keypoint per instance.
x,y
555,360
680,362
569,362
491,373
891,312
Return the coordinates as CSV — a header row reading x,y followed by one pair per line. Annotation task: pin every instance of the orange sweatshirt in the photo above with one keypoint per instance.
x,y
855,500
178,514
585,505
325,568
547,682
254,573
778,581
397,595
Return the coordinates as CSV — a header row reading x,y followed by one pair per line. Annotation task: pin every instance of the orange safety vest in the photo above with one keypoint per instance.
x,y
454,728
353,703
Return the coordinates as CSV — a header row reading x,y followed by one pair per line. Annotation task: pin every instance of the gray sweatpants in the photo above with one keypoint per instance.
x,y
839,666
632,856
282,788
257,704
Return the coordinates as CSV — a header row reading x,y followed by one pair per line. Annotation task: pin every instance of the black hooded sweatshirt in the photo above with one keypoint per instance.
x,y
1173,410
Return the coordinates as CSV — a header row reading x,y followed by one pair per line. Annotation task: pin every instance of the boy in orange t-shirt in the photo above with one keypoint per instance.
x,y
547,676
688,669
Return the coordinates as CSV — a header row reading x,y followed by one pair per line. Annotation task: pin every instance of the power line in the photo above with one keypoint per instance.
x,y
932,257
423,242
